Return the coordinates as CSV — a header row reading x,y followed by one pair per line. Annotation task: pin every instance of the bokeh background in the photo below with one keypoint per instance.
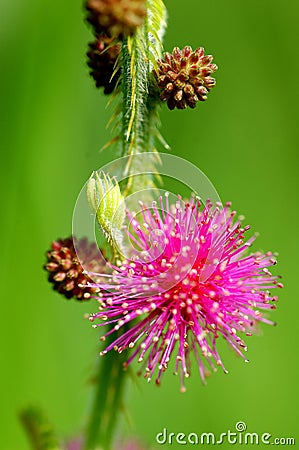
x,y
244,138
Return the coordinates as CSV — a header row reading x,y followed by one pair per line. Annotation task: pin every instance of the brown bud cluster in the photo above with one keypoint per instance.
x,y
184,77
116,18
102,55
66,271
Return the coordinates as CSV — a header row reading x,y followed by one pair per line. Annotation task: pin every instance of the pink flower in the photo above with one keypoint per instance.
x,y
75,444
189,281
132,444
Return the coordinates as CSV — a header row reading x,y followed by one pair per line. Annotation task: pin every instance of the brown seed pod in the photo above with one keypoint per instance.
x,y
184,77
102,56
116,18
66,272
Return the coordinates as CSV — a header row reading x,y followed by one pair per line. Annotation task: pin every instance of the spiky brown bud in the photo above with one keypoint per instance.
x,y
117,18
65,270
102,56
183,77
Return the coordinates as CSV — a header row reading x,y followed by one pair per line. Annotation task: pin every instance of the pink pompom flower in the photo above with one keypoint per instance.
x,y
190,280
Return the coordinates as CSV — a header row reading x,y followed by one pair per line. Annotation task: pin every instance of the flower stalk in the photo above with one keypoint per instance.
x,y
139,118
139,103
107,402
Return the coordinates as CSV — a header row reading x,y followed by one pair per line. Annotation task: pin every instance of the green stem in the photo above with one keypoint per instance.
x,y
139,130
110,377
139,101
135,93
107,400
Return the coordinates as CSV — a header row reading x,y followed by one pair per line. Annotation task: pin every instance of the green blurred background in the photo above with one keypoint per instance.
x,y
244,138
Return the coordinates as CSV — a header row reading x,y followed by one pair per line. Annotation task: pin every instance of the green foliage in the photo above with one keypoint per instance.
x,y
40,432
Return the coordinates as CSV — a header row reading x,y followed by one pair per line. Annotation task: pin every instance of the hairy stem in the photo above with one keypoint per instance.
x,y
139,119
